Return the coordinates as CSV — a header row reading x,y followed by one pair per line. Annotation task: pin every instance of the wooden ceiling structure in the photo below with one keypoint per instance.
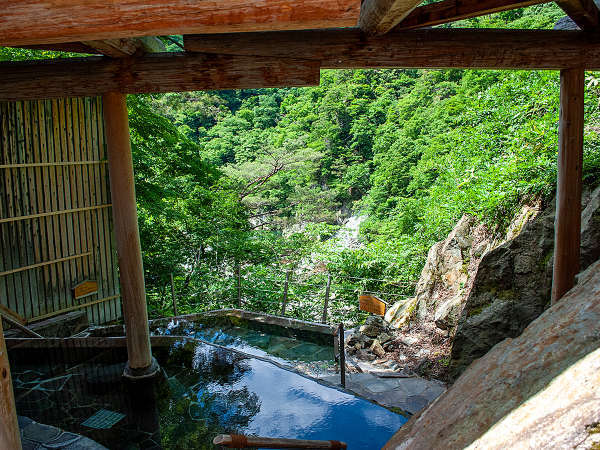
x,y
234,44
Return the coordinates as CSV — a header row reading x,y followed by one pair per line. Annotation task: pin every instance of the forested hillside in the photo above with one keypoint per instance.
x,y
260,180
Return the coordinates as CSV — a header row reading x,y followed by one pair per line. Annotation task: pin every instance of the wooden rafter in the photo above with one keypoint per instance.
x,y
583,12
27,22
447,11
115,48
429,48
158,72
120,48
380,16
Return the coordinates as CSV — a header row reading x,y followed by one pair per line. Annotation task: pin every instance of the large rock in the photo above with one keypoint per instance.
x,y
446,277
539,390
513,283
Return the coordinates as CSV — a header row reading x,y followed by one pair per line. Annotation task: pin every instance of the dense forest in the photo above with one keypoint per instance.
x,y
258,182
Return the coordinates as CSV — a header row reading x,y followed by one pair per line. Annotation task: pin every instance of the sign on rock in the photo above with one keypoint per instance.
x,y
372,304
85,288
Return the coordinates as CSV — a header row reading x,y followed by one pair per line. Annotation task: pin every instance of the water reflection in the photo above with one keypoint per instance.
x,y
203,391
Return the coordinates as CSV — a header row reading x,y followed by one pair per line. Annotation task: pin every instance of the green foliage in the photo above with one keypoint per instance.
x,y
261,179
413,150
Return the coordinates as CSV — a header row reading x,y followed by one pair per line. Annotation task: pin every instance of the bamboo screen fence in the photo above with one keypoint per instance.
x,y
55,216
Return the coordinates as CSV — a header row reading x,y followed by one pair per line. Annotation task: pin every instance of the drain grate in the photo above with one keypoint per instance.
x,y
103,419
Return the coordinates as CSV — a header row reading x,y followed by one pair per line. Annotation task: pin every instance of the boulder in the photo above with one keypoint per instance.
x,y
374,326
445,278
513,284
538,390
377,349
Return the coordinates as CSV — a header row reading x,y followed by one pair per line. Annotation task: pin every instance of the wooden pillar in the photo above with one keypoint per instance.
x,y
10,437
567,224
127,235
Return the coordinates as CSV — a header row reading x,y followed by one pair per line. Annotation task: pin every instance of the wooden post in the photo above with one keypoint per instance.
x,y
10,437
239,285
567,224
285,292
326,303
173,296
342,347
122,190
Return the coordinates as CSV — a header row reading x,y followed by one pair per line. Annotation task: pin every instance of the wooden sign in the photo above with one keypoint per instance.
x,y
372,304
85,288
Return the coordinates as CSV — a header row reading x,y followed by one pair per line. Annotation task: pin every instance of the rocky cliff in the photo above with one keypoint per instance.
x,y
539,390
483,290
513,282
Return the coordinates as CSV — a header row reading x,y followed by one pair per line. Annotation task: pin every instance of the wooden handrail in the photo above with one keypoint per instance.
x,y
241,441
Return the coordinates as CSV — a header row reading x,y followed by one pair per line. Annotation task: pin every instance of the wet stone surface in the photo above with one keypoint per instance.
x,y
410,394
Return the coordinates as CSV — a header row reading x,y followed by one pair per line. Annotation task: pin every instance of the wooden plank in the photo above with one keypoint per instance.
x,y
159,72
25,238
429,48
45,263
15,316
241,441
567,224
110,263
33,22
96,197
13,208
21,327
52,202
380,16
447,11
70,196
583,12
42,242
10,436
99,216
116,124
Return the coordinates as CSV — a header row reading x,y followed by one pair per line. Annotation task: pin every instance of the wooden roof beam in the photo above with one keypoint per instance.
x,y
115,48
447,11
380,16
583,12
426,48
28,22
158,72
120,48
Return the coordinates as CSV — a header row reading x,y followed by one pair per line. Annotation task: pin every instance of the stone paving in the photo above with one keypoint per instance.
x,y
410,394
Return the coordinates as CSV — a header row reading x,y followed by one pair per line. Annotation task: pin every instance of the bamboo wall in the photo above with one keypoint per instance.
x,y
55,216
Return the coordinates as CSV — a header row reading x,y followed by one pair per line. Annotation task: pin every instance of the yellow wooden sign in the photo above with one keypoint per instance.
x,y
372,304
88,287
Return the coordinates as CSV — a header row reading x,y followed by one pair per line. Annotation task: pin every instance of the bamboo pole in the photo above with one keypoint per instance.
x,y
342,347
127,235
326,303
241,441
72,308
567,224
285,292
10,436
45,263
50,164
54,213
